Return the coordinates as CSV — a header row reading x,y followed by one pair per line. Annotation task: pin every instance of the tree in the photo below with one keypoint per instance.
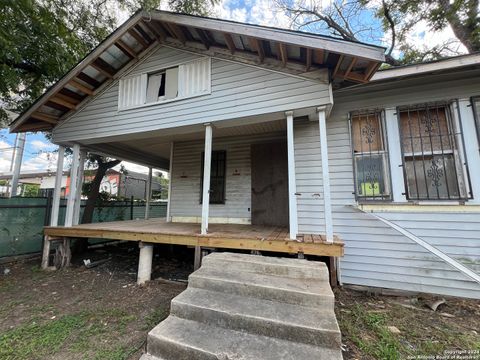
x,y
354,21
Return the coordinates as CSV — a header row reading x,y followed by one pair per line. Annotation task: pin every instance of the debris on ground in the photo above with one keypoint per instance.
x,y
434,305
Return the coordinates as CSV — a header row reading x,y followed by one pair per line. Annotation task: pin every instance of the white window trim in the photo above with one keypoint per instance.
x,y
178,98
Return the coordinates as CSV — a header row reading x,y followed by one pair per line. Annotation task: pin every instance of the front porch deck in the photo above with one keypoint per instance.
x,y
226,236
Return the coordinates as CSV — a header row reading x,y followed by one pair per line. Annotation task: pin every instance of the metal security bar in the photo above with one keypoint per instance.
x,y
432,150
370,156
476,112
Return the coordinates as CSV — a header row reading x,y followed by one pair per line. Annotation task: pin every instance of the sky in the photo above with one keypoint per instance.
x,y
39,152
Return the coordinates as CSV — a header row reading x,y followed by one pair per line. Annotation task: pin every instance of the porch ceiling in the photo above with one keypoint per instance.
x,y
153,149
303,54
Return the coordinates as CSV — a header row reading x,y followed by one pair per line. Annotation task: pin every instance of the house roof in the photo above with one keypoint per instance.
x,y
435,66
295,52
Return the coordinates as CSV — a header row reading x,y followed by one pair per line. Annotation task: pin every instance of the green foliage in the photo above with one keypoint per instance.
x,y
30,190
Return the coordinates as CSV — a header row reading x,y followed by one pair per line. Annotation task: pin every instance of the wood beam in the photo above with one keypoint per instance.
x,y
127,50
138,37
62,102
72,94
360,78
372,66
308,60
282,53
35,127
103,67
156,31
66,98
81,87
175,30
350,66
203,38
257,47
143,33
337,67
88,79
319,56
45,117
230,43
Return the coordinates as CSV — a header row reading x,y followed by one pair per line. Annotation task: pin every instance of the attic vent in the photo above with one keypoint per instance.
x,y
132,91
179,82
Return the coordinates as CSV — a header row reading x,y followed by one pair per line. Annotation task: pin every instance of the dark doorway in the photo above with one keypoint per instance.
x,y
270,184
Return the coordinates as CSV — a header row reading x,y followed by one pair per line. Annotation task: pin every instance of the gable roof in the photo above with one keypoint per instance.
x,y
285,50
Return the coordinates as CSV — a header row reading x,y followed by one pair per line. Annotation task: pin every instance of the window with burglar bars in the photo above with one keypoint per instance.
x,y
432,153
217,177
476,113
370,155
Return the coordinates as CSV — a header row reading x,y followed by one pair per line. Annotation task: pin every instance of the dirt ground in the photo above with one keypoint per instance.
x,y
101,314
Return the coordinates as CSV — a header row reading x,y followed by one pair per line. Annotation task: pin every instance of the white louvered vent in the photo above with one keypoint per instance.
x,y
194,78
132,91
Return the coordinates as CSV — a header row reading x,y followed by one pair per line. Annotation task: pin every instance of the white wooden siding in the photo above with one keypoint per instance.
x,y
186,174
237,91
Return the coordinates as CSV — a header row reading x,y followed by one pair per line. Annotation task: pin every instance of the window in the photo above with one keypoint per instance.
x,y
432,156
178,82
370,156
217,177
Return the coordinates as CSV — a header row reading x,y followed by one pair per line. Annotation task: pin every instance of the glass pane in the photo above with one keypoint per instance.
x,y
432,177
370,176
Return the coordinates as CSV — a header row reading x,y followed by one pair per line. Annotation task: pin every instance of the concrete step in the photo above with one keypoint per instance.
x,y
286,267
258,316
181,339
147,356
299,291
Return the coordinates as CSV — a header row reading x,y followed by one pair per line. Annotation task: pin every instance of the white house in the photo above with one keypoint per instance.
x,y
264,129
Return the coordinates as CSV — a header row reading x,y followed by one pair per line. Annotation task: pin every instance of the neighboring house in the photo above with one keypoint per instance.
x,y
115,183
306,134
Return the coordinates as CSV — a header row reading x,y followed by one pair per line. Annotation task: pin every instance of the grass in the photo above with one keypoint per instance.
x,y
155,317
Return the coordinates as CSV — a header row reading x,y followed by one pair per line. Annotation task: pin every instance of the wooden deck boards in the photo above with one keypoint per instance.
x,y
229,236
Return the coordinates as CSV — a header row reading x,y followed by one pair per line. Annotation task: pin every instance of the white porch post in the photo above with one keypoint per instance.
x,y
170,177
17,163
325,174
292,185
78,195
55,204
207,163
73,186
148,195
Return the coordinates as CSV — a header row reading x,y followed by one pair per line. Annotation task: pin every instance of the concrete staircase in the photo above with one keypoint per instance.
x,y
250,307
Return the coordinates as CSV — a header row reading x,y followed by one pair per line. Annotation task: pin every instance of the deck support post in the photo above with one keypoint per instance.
x,y
207,163
148,195
292,186
55,205
197,261
322,120
170,178
69,213
145,263
78,195
20,146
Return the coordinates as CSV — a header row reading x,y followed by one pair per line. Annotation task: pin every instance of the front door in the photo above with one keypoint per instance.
x,y
270,184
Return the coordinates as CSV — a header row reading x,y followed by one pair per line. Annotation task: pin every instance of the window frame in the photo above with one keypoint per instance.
x,y
476,115
385,158
223,199
457,152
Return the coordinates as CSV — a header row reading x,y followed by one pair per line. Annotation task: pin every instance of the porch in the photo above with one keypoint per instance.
x,y
220,236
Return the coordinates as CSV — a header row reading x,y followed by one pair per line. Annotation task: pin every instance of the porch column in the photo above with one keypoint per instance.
x,y
73,186
170,171
55,205
207,163
325,174
144,273
78,195
292,185
17,163
148,194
